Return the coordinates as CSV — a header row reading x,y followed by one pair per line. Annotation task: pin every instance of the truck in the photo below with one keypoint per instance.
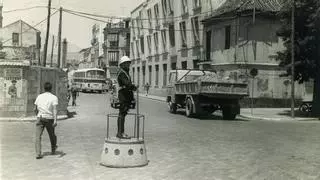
x,y
202,92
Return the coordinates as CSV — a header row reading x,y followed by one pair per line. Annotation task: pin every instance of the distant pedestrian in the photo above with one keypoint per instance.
x,y
147,86
12,91
46,110
68,93
74,94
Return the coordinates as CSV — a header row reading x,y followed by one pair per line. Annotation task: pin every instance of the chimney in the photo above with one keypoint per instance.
x,y
1,6
64,52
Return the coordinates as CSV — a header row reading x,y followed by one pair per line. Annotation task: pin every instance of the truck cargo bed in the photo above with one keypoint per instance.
x,y
212,89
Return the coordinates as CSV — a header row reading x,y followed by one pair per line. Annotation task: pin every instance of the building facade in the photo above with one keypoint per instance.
x,y
166,35
235,42
21,41
86,59
116,45
97,45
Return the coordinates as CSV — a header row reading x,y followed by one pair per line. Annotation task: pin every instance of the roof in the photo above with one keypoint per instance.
x,y
89,69
23,23
233,6
14,63
85,49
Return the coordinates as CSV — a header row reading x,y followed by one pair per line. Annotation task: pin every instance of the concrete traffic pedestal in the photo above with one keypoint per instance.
x,y
125,153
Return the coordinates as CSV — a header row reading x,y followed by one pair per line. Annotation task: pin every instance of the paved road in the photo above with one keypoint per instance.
x,y
177,147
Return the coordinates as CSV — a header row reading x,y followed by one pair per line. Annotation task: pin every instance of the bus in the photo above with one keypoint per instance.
x,y
90,80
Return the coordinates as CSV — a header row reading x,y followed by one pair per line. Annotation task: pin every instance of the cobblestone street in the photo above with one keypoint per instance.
x,y
177,147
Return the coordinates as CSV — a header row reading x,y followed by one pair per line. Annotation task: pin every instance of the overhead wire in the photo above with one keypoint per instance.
x,y
31,27
141,28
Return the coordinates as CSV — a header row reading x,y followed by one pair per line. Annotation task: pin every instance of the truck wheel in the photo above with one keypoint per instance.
x,y
172,107
228,113
189,108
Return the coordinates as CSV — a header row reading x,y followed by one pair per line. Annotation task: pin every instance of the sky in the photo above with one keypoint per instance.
x,y
77,30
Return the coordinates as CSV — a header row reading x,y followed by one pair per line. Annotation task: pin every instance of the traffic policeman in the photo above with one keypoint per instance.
x,y
125,94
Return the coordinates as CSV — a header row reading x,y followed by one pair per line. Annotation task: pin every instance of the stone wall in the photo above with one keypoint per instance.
x,y
30,81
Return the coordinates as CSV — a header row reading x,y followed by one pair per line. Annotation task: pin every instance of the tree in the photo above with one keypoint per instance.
x,y
307,44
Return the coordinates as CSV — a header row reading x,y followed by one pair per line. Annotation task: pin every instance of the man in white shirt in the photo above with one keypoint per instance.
x,y
46,110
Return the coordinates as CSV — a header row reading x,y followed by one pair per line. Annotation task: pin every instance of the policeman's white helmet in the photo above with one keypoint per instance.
x,y
124,59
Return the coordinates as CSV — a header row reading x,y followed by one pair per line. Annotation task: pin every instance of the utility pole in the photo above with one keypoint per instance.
x,y
59,37
47,35
52,51
292,58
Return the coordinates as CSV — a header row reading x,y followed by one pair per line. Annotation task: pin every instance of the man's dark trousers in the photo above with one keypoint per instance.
x,y
40,125
123,111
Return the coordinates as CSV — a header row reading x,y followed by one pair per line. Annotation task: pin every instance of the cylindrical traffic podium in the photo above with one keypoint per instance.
x,y
125,153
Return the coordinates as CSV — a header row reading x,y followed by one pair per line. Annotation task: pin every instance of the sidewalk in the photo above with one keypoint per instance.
x,y
27,119
273,114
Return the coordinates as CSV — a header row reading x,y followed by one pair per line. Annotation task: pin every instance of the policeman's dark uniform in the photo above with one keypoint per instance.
x,y
125,96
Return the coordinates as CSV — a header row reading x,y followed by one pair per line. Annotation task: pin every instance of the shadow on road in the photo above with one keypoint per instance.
x,y
71,114
214,117
297,113
60,153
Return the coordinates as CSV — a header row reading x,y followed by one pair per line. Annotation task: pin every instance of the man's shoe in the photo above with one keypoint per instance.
x,y
123,136
53,150
39,157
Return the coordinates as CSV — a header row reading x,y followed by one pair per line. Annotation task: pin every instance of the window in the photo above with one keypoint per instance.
x,y
165,74
184,6
149,17
132,49
164,39
184,64
140,18
173,66
195,64
142,44
157,75
15,38
113,56
172,35
195,30
138,76
149,44
133,69
183,34
227,37
196,3
133,29
150,75
156,14
143,75
138,24
170,7
113,39
156,42
164,7
137,49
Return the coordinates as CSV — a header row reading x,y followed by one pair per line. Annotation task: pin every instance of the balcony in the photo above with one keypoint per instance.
x,y
197,10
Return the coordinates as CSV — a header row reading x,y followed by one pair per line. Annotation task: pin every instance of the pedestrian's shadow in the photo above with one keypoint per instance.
x,y
60,154
71,114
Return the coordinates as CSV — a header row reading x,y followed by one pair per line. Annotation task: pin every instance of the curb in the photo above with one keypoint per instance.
x,y
276,119
27,119
152,98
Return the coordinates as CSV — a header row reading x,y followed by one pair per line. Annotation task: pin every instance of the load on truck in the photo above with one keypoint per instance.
x,y
203,92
